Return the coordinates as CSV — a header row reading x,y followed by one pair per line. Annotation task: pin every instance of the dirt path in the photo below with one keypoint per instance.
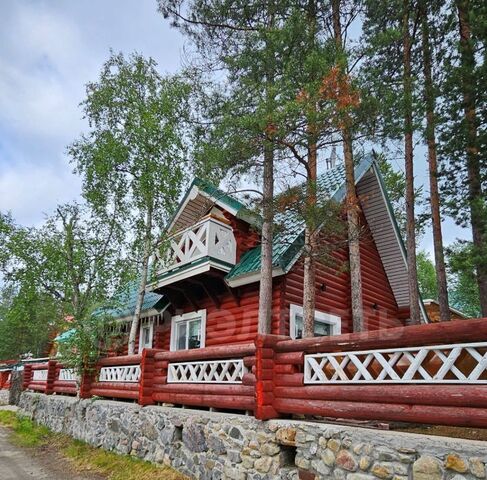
x,y
17,463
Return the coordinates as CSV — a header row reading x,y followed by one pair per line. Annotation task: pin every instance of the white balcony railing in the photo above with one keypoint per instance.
x,y
208,238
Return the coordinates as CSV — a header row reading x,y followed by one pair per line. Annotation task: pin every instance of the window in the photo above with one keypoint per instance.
x,y
325,323
188,330
146,334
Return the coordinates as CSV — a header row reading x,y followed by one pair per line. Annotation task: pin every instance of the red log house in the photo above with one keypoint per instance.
x,y
198,343
206,294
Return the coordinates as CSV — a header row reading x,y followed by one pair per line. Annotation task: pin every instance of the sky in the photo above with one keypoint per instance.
x,y
49,50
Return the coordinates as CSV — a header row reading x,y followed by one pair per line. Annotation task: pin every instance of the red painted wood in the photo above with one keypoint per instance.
x,y
215,401
104,392
441,395
208,389
438,415
210,353
456,331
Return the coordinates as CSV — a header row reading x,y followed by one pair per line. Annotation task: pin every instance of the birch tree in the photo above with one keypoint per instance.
x,y
134,154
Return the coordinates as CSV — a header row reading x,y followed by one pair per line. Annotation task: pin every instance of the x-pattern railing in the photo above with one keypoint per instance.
x,y
217,371
207,238
125,373
39,375
191,245
68,375
461,363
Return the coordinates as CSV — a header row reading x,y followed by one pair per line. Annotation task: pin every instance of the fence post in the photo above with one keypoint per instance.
x,y
146,382
27,376
87,378
264,376
51,377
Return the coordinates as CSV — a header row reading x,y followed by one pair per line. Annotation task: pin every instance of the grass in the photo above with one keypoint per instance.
x,y
112,466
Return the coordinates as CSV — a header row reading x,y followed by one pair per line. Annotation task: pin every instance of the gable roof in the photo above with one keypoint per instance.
x,y
199,198
287,245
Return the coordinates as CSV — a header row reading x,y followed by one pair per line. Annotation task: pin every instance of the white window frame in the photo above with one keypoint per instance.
x,y
144,323
322,317
187,317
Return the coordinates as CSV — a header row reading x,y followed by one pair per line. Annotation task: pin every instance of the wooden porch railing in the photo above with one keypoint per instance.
x,y
434,374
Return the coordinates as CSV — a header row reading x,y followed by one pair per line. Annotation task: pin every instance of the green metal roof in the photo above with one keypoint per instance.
x,y
217,194
63,337
123,302
287,244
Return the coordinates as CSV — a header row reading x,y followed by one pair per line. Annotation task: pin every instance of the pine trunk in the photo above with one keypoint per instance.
x,y
415,316
311,232
353,206
475,193
265,288
310,247
429,97
143,282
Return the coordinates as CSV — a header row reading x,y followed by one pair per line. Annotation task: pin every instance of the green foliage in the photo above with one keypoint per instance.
x,y
464,293
28,320
90,338
26,433
134,156
426,276
61,269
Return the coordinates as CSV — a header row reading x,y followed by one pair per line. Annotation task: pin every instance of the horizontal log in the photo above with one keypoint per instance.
x,y
456,331
103,392
66,390
296,358
286,369
64,383
209,353
208,389
248,379
427,414
115,386
39,366
119,361
441,395
289,380
249,362
215,401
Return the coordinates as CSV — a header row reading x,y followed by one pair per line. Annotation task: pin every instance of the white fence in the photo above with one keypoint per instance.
x,y
39,375
123,374
461,363
211,371
68,375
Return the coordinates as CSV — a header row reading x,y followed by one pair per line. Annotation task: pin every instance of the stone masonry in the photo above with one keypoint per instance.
x,y
4,397
212,446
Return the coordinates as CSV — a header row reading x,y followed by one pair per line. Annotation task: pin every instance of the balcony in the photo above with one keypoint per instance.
x,y
208,244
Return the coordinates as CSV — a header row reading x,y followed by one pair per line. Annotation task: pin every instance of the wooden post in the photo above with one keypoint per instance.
x,y
87,378
51,377
146,382
27,376
264,376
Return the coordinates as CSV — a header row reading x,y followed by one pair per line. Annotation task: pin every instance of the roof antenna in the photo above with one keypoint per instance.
x,y
331,161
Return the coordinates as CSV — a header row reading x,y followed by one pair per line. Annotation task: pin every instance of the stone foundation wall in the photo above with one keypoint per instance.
x,y
4,397
212,446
